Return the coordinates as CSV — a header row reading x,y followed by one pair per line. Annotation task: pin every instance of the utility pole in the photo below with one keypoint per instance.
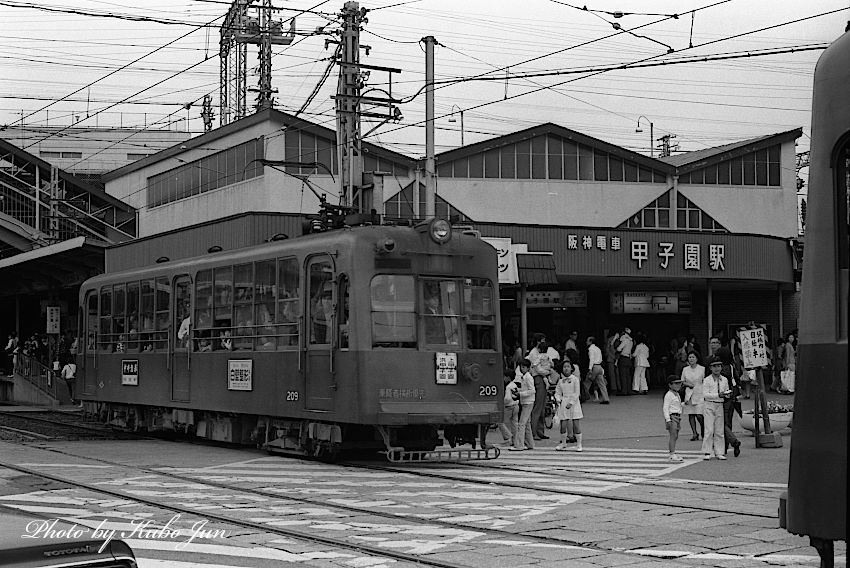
x,y
237,31
348,104
430,179
666,146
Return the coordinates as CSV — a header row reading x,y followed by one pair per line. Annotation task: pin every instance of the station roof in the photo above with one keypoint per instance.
x,y
62,265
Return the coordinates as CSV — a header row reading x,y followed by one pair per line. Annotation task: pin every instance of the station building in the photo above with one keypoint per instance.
x,y
591,236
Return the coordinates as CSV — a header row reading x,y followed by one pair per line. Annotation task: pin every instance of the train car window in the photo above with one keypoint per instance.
x,y
393,317
91,322
243,279
202,331
479,308
264,305
182,313
133,317
119,315
163,310
147,315
321,300
288,309
441,312
223,301
105,344
344,313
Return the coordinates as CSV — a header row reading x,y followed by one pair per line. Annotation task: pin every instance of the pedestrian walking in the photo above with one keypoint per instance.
x,y
611,360
624,360
11,349
715,388
510,419
692,377
595,371
69,375
641,362
542,358
569,407
524,439
672,410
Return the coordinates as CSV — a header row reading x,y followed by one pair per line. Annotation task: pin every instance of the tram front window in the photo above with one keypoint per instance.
x,y
441,311
393,318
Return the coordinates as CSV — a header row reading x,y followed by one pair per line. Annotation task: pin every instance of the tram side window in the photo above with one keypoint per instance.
x,y
264,298
163,320
393,319
344,313
106,345
321,302
441,311
147,315
223,301
287,303
118,314
133,317
91,322
203,332
243,278
479,308
183,304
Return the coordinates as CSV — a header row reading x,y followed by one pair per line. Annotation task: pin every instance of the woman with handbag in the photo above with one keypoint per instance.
x,y
692,377
789,374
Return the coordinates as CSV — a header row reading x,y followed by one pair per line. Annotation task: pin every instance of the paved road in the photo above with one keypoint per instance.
x,y
620,502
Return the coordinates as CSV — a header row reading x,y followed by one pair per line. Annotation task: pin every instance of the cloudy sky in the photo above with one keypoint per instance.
x,y
87,52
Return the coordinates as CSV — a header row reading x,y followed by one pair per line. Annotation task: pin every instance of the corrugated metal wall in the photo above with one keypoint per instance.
x,y
229,233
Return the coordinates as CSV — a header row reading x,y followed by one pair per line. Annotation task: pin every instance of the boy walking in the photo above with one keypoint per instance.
x,y
672,410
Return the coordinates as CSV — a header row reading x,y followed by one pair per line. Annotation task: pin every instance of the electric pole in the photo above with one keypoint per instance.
x,y
430,179
666,146
348,137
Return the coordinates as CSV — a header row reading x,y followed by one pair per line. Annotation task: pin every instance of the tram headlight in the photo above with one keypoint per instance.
x,y
440,231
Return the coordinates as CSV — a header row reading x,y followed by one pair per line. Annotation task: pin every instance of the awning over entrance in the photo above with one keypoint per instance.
x,y
536,268
62,265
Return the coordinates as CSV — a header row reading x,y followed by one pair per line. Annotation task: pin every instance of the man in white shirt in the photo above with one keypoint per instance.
x,y
571,342
542,359
624,361
595,371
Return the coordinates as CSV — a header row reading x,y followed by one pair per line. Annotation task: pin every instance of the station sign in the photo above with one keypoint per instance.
x,y
651,302
555,299
54,315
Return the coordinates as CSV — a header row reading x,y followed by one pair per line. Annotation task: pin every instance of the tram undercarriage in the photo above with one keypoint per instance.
x,y
303,437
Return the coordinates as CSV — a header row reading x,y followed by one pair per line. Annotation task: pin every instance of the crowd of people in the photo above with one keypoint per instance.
x,y
707,389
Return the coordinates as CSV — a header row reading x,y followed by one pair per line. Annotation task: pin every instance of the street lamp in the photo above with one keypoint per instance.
x,y
651,135
453,119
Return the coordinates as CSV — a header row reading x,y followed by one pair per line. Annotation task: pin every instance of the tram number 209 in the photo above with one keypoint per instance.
x,y
488,390
291,395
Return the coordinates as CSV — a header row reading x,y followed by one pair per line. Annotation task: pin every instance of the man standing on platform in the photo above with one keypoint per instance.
x,y
542,359
624,361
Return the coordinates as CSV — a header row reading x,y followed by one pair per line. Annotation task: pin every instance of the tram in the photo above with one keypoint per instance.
x,y
357,338
816,501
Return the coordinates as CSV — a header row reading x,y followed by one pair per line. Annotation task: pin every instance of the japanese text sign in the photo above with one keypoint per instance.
x,y
753,347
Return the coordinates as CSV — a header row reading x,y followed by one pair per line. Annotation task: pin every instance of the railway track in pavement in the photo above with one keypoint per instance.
x,y
275,483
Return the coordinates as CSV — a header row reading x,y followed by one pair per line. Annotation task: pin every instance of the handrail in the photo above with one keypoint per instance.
x,y
36,373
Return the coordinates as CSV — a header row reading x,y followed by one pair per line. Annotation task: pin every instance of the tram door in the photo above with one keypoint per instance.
x,y
319,316
89,347
181,339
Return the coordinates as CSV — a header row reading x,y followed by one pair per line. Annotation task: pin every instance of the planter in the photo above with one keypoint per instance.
x,y
778,421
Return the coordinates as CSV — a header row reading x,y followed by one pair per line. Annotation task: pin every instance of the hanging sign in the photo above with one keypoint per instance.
x,y
53,319
753,347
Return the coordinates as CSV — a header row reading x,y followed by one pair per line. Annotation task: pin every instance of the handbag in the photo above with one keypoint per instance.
x,y
787,378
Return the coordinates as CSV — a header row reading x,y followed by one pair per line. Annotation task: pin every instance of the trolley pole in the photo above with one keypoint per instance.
x,y
430,179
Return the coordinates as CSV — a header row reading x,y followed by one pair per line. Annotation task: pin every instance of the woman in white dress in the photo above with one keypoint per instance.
x,y
692,377
569,406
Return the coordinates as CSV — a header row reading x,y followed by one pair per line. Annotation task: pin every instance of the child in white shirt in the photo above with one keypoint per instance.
x,y
672,410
